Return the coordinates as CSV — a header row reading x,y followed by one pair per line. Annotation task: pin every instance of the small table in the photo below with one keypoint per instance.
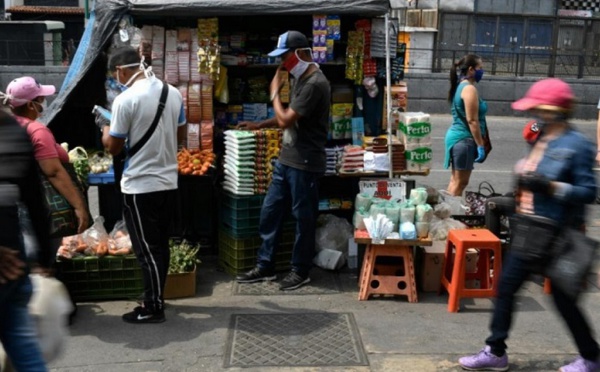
x,y
388,279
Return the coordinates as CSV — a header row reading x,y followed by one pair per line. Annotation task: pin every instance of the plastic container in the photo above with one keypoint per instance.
x,y
102,278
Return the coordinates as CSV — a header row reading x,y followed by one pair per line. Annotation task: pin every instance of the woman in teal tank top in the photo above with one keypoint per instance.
x,y
464,144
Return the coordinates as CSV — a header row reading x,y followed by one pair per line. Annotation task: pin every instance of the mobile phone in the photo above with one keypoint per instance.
x,y
102,111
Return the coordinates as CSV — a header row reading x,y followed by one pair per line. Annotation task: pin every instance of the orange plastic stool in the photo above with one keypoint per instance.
x,y
376,278
454,268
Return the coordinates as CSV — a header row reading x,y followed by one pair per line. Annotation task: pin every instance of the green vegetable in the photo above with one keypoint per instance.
x,y
183,256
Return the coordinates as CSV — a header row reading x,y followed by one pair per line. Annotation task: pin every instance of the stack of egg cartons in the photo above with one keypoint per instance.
x,y
414,131
239,162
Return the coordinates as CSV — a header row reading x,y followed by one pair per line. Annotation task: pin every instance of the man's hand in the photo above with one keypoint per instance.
x,y
276,84
247,125
101,121
535,182
11,267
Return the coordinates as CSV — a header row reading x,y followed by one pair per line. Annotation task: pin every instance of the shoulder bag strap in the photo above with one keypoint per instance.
x,y
161,105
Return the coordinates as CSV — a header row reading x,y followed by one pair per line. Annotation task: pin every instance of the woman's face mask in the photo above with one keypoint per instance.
x,y
478,75
39,107
296,66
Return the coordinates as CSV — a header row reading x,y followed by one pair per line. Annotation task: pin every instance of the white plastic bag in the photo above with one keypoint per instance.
x,y
333,233
50,306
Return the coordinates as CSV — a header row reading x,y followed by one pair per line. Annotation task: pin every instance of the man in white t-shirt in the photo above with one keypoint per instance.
x,y
149,183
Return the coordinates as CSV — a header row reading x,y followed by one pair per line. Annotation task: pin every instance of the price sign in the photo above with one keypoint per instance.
x,y
390,188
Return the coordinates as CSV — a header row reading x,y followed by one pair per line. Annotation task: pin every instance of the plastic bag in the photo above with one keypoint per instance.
x,y
454,202
333,233
119,242
439,227
96,238
50,306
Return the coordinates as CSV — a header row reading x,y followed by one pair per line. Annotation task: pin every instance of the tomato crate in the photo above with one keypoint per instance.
x,y
102,278
239,202
240,249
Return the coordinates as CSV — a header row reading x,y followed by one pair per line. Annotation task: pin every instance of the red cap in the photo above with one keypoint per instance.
x,y
531,131
547,94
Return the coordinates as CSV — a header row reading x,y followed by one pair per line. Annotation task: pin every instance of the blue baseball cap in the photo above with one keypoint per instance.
x,y
289,40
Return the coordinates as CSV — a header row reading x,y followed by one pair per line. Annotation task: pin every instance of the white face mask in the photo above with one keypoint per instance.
x,y
42,107
301,66
143,69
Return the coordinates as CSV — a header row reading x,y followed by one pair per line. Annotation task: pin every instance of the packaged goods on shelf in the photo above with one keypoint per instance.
x,y
206,134
352,159
193,136
414,128
419,157
341,120
399,101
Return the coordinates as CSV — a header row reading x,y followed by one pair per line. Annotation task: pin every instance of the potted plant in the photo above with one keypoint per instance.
x,y
181,278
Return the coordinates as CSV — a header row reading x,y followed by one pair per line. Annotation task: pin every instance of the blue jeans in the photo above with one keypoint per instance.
x,y
17,331
515,272
300,188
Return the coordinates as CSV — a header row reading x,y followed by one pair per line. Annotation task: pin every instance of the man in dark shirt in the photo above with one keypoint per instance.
x,y
301,161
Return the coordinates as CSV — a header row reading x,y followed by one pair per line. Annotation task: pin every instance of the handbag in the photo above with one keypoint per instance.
x,y
574,254
487,143
120,159
63,220
532,239
475,200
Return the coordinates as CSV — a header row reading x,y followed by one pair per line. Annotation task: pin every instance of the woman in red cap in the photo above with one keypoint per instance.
x,y
554,183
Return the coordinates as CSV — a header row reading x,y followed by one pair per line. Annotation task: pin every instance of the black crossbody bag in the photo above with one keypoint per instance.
x,y
119,160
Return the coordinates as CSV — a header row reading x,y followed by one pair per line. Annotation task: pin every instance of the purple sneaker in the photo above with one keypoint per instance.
x,y
484,361
581,365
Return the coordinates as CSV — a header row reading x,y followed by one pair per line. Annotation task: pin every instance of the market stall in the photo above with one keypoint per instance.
x,y
215,53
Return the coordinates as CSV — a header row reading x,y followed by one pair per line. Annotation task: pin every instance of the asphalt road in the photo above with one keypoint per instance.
x,y
508,147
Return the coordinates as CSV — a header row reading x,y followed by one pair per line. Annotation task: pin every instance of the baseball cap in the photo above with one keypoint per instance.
x,y
25,89
531,131
289,40
547,94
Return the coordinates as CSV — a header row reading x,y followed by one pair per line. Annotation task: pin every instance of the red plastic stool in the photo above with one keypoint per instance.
x,y
454,268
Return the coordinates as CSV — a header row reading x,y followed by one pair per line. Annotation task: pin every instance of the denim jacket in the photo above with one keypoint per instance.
x,y
568,161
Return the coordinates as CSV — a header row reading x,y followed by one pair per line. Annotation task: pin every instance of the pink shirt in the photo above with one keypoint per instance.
x,y
44,144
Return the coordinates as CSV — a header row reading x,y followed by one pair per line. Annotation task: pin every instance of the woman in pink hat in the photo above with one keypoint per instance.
x,y
554,182
27,100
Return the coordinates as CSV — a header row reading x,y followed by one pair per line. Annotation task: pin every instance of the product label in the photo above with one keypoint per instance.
x,y
420,155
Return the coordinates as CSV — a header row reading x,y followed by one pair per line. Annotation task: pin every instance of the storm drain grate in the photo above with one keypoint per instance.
x,y
321,282
308,339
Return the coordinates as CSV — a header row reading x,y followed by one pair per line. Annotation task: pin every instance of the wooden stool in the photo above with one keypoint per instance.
x,y
376,278
453,269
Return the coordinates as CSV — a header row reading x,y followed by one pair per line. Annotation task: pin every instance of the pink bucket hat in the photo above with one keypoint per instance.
x,y
25,89
547,94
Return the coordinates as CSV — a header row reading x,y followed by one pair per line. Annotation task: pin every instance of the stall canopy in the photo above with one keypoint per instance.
x,y
106,14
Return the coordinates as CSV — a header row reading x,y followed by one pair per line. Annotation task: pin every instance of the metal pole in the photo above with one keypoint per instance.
x,y
388,83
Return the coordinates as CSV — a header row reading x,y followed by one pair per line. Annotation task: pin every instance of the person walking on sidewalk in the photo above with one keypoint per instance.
x,y
554,181
301,162
465,138
149,182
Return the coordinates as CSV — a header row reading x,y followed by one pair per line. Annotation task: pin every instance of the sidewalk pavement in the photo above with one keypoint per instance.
x,y
396,335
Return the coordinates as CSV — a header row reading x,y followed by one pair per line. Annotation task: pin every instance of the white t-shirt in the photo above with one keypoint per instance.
x,y
154,167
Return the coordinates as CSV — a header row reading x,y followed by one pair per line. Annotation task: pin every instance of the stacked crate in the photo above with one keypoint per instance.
x,y
239,240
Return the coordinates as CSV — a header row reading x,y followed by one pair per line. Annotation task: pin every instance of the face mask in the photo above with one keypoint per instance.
x,y
143,69
296,66
478,75
42,106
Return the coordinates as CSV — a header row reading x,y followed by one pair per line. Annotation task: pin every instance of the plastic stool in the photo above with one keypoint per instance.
x,y
453,270
378,278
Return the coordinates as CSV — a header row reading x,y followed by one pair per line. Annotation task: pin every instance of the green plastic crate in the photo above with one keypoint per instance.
x,y
229,212
102,278
242,202
240,249
234,267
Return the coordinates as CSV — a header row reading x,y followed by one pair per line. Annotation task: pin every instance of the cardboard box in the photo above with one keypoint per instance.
x,y
180,285
431,268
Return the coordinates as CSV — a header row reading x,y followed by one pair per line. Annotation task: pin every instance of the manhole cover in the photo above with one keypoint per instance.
x,y
321,282
311,339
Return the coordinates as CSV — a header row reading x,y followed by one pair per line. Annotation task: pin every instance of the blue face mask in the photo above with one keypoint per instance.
x,y
478,75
